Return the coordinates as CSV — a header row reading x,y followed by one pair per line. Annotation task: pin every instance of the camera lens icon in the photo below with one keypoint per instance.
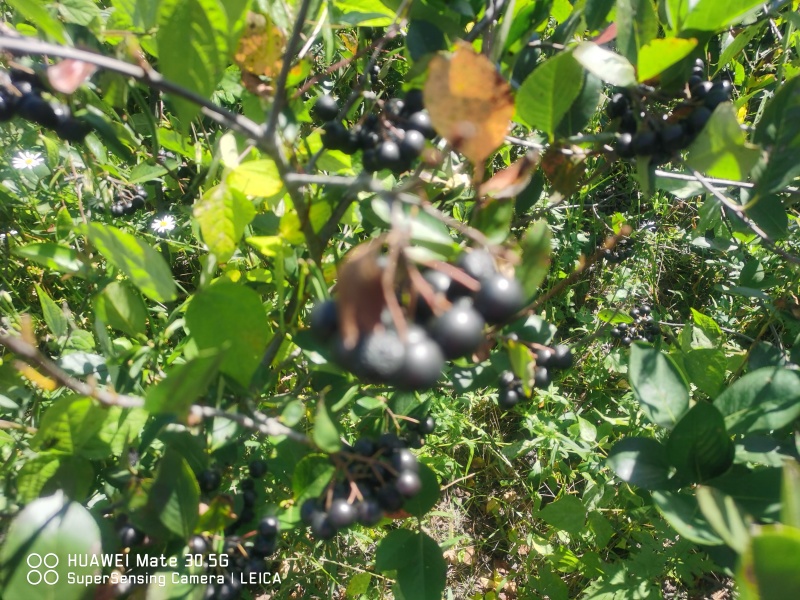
x,y
42,569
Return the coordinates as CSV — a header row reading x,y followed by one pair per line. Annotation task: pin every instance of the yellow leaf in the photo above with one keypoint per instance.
x,y
256,178
35,377
260,50
469,102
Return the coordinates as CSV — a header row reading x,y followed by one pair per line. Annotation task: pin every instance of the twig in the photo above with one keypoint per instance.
x,y
493,8
719,182
239,123
31,355
739,211
265,426
11,425
280,84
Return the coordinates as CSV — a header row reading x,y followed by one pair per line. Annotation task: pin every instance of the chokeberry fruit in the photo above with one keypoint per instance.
x,y
326,108
308,509
368,512
421,121
394,107
321,526
644,143
197,545
507,379
381,356
422,365
618,105
389,498
324,320
408,483
341,513
672,137
247,484
404,460
209,480
7,107
698,119
268,526
624,145
413,102
249,497
499,298
541,377
230,589
562,357
388,155
33,107
478,264
264,545
258,468
412,144
720,92
129,536
700,91
335,136
508,397
459,331
389,441
427,425
364,447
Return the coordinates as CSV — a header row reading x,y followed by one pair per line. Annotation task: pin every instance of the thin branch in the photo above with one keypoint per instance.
x,y
739,212
493,9
11,425
31,355
718,182
288,57
265,426
239,123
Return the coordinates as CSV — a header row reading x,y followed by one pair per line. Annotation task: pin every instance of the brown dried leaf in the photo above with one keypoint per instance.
x,y
564,170
509,182
470,104
260,50
360,298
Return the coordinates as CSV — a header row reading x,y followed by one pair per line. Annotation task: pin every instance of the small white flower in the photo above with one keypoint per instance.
x,y
163,224
27,160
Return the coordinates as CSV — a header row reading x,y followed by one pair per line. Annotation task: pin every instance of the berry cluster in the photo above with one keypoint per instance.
x,y
392,140
128,202
547,359
660,136
623,250
379,476
643,327
22,96
447,325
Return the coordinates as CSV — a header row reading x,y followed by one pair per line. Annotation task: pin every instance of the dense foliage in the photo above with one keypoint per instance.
x,y
410,299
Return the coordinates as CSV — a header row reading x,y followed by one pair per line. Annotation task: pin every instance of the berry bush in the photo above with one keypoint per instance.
x,y
421,299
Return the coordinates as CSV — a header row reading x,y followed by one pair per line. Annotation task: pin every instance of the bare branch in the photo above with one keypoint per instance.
x,y
264,426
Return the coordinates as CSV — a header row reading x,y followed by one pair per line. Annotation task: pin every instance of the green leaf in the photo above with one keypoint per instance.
x,y
521,358
493,218
256,178
637,24
145,267
705,368
707,325
533,329
581,111
779,131
547,94
762,400
724,516
183,385
708,15
54,528
310,477
720,150
682,511
614,316
146,172
608,66
658,386
230,318
418,562
175,495
63,224
121,307
769,213
565,514
80,12
326,434
52,256
427,497
358,585
53,315
192,48
35,12
366,13
640,461
657,55
536,247
790,494
756,490
223,213
699,447
35,473
72,425
142,14
769,566
425,230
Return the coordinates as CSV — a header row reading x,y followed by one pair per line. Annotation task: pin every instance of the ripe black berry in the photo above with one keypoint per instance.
x,y
720,92
618,105
324,320
644,143
230,589
209,480
321,526
672,137
478,264
698,119
408,483
541,377
249,497
389,498
264,545
394,107
507,379
197,544
388,155
326,108
624,145
381,356
459,331
129,536
335,136
308,509
390,441
413,102
412,144
499,298
258,468
405,460
364,447
369,512
6,107
427,425
341,513
268,526
562,357
33,107
421,122
422,364
701,90
508,397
